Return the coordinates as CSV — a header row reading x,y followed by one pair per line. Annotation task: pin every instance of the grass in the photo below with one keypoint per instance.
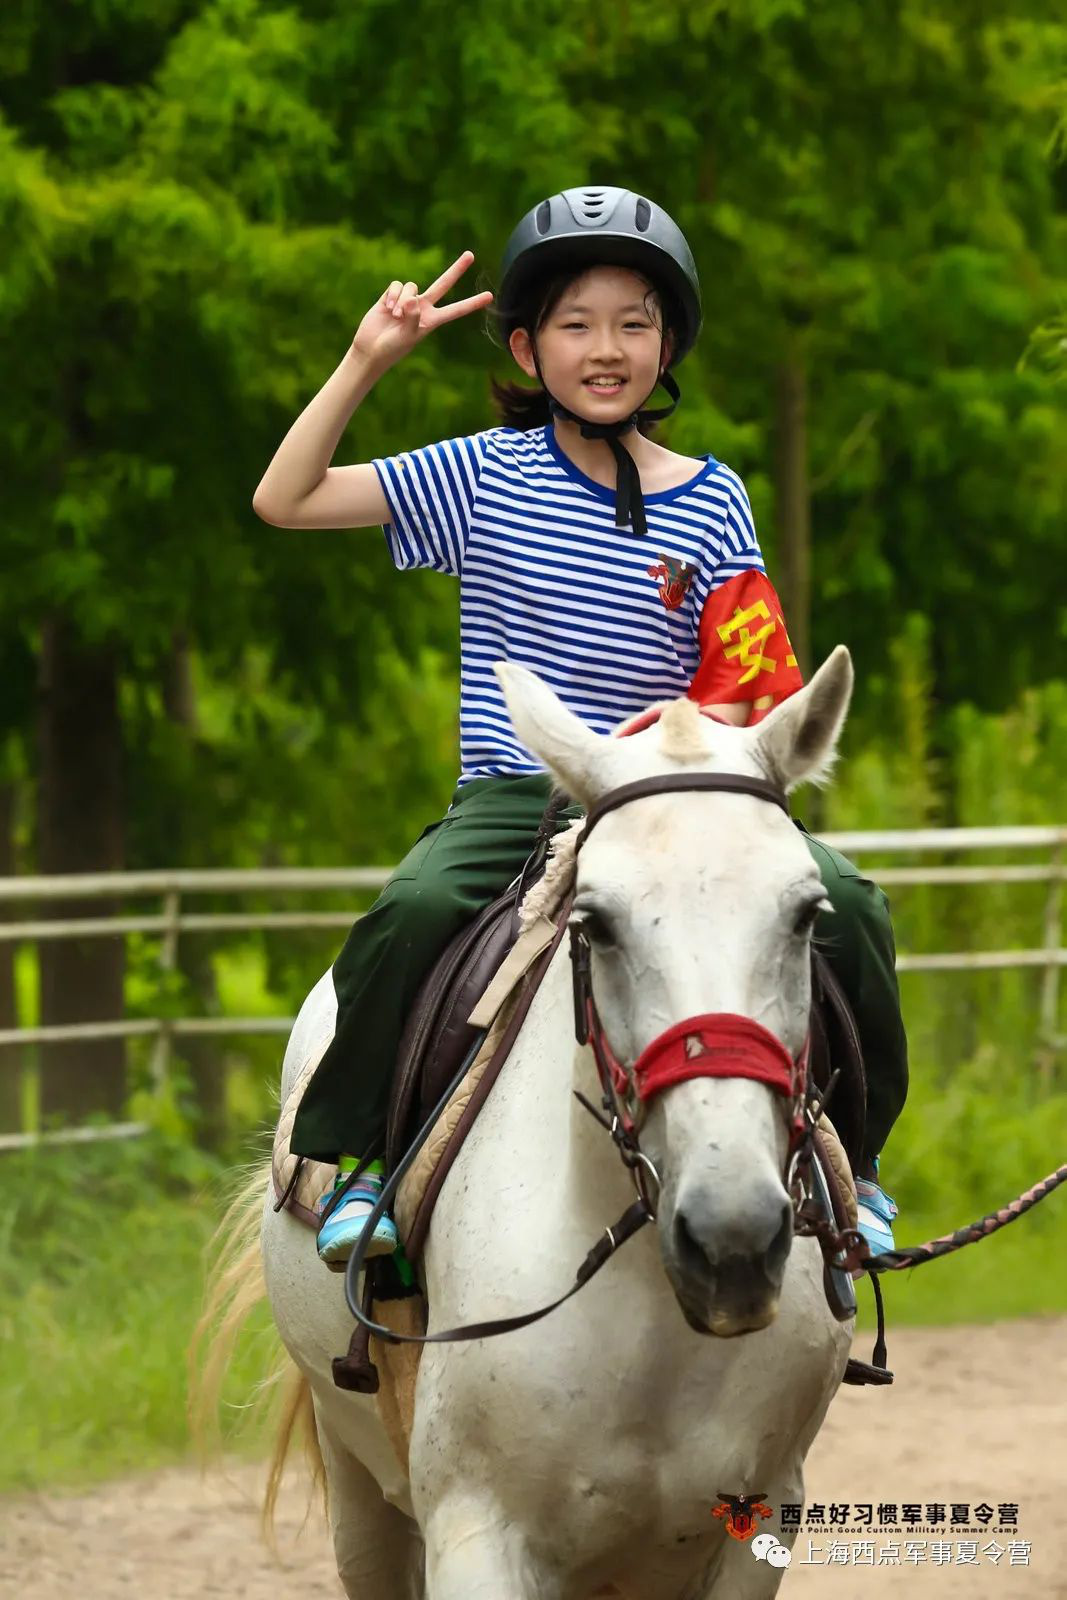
x,y
1012,1274
101,1274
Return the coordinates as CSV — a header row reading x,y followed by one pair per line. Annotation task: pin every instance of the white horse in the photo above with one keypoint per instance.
x,y
588,1451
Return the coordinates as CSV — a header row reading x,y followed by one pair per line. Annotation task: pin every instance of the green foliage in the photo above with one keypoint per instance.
x,y
196,232
986,1115
1007,1275
964,768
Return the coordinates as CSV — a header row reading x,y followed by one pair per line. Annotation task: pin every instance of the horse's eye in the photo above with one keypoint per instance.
x,y
806,920
598,930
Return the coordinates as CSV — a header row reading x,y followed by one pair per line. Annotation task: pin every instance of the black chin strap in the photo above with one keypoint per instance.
x,y
629,502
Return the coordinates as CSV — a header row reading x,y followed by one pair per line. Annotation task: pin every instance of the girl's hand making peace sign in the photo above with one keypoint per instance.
x,y
395,323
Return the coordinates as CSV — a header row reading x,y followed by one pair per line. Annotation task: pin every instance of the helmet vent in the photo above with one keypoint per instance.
x,y
543,219
642,215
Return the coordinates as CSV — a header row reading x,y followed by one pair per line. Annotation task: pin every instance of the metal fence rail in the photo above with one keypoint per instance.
x,y
172,886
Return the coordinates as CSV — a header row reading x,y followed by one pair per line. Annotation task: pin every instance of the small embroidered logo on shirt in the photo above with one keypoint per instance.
x,y
674,578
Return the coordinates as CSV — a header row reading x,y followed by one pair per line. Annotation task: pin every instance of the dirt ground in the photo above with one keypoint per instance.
x,y
976,1414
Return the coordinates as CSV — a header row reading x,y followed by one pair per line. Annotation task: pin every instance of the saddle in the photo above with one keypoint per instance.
x,y
438,1035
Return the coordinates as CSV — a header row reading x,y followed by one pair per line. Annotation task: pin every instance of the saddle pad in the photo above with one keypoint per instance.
x,y
551,889
838,1160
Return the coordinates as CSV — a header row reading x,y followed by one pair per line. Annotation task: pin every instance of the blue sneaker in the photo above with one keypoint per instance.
x,y
337,1236
876,1211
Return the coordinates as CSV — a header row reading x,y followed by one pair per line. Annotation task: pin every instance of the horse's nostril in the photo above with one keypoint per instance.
x,y
780,1244
692,1257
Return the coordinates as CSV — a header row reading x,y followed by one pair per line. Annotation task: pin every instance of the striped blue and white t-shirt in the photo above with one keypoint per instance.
x,y
608,620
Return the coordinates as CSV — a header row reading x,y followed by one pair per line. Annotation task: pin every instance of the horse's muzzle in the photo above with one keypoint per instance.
x,y
726,1264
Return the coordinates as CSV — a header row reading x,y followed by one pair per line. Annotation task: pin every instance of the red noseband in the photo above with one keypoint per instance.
x,y
718,1045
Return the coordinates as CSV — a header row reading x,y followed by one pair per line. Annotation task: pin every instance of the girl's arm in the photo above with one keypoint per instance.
x,y
736,711
747,665
300,489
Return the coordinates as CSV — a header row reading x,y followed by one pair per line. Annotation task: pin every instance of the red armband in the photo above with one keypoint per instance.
x,y
745,651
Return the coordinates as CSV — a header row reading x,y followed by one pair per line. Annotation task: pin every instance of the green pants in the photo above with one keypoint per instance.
x,y
456,868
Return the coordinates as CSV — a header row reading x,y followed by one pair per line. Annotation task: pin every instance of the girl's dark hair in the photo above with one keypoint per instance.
x,y
523,408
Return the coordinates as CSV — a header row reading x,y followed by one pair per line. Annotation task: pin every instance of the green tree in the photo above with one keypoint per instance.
x,y
201,200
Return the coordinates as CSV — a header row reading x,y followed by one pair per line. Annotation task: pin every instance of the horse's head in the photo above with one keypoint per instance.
x,y
697,903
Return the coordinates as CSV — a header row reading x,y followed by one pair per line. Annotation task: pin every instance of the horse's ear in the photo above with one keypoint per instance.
x,y
544,725
798,740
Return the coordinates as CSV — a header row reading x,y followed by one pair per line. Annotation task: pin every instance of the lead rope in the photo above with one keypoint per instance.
x,y
916,1255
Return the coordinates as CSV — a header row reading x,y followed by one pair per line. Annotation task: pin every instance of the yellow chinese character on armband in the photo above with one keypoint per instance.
x,y
748,648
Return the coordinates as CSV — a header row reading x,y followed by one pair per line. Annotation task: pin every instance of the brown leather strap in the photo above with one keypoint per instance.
x,y
834,1001
715,782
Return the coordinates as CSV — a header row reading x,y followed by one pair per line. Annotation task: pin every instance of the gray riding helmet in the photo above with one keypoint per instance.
x,y
605,226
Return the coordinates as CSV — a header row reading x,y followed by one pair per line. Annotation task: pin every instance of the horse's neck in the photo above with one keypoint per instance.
x,y
536,1182
532,1122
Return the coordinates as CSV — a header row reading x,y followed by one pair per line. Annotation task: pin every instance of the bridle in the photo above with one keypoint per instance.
x,y
710,1045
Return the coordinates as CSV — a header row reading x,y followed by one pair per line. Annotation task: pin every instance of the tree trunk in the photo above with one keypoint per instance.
x,y
204,1057
10,1055
793,501
80,829
179,690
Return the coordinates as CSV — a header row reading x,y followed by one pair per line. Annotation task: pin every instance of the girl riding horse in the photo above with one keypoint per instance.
x,y
621,572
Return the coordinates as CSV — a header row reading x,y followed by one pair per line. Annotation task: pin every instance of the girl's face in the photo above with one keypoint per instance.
x,y
599,346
